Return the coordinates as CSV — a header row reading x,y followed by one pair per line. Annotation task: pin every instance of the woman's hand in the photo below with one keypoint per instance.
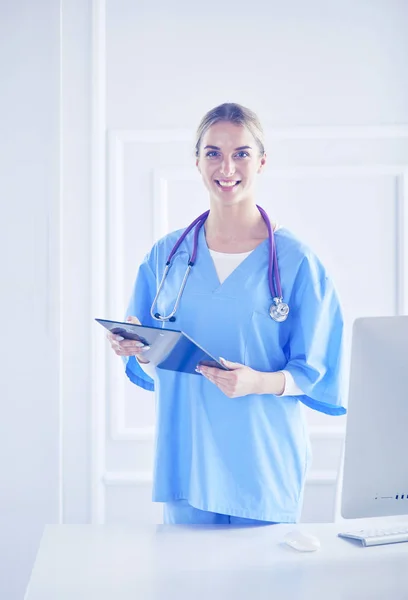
x,y
123,347
241,380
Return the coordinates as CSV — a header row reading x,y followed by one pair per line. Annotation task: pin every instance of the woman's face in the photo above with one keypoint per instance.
x,y
229,161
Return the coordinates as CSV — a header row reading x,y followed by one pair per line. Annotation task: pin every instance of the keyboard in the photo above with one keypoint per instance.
x,y
375,537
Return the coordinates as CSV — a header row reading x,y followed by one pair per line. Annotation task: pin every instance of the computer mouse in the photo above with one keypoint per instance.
x,y
303,542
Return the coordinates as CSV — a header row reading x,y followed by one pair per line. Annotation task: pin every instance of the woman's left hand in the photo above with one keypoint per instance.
x,y
239,381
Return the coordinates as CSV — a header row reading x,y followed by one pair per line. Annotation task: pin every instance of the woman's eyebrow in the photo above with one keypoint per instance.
x,y
239,148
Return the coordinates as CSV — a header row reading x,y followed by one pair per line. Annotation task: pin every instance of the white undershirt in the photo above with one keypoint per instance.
x,y
224,265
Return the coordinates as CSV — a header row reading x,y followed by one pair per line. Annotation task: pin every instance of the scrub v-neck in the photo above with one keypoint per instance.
x,y
239,274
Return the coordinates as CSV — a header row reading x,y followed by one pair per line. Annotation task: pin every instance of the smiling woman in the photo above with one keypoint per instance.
x,y
231,443
230,152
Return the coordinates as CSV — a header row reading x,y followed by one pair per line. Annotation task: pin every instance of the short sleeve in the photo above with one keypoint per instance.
x,y
316,348
144,290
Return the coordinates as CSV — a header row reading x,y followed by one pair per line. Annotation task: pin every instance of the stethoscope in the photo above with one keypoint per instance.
x,y
278,311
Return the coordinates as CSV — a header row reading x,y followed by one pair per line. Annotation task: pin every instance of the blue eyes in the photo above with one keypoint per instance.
x,y
215,154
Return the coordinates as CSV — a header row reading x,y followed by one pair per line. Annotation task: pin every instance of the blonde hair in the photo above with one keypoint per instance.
x,y
232,113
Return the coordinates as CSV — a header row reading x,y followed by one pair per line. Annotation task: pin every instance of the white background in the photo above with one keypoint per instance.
x,y
98,109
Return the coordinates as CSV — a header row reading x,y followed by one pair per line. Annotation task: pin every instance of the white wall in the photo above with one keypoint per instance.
x,y
348,68
29,190
45,251
75,268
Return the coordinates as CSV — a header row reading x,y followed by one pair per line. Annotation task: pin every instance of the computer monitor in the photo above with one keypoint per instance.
x,y
375,468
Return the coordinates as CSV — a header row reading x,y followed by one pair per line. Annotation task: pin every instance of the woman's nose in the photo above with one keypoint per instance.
x,y
227,167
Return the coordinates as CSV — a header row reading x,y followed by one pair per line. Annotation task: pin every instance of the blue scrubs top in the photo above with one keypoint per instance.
x,y
247,456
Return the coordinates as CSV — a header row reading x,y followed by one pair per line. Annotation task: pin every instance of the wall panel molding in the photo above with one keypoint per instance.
x,y
142,434
402,244
163,176
118,142
135,478
351,132
98,257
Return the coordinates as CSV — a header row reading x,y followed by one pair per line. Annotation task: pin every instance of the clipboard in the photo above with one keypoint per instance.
x,y
170,349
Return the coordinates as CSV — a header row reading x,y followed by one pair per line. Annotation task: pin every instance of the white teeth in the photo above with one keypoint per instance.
x,y
227,183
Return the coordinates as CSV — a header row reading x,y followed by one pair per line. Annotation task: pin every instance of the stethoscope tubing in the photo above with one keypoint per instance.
x,y
273,269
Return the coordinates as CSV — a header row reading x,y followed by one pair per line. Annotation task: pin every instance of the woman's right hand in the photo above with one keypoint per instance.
x,y
123,347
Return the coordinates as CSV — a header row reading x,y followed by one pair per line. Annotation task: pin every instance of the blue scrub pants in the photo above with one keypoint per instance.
x,y
182,513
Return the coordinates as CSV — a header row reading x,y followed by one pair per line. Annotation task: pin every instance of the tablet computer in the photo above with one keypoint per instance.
x,y
170,349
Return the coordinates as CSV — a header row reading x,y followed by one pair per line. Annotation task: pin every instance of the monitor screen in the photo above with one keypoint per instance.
x,y
375,469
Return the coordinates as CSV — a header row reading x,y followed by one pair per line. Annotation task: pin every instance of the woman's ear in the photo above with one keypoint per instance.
x,y
262,163
198,164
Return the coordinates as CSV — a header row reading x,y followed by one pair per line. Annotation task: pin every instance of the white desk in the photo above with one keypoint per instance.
x,y
178,562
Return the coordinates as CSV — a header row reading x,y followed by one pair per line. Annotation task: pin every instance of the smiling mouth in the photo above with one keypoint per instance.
x,y
227,184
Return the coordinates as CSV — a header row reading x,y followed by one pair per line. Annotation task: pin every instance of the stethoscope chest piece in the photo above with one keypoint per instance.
x,y
279,310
